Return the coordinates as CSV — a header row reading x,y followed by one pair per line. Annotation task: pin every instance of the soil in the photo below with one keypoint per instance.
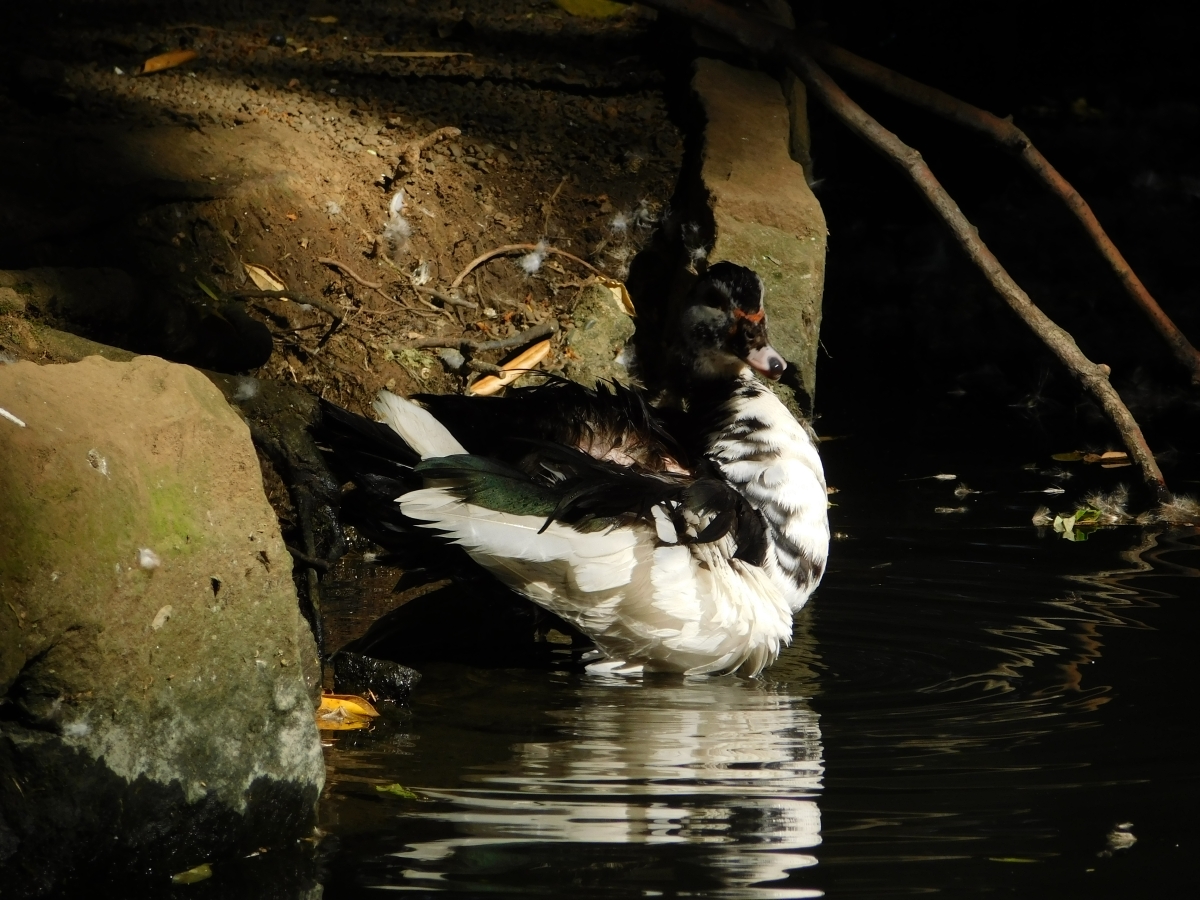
x,y
276,146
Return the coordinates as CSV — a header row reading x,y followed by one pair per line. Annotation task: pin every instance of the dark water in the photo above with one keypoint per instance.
x,y
968,706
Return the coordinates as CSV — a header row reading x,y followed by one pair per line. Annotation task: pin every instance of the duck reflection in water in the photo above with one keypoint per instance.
x,y
728,766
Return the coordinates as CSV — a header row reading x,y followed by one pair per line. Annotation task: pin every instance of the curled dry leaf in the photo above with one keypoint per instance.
x,y
344,712
264,279
511,371
620,295
168,60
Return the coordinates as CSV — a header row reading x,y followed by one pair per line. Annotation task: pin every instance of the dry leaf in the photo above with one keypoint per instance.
x,y
264,279
1073,456
324,20
168,60
201,872
291,217
344,712
620,295
489,384
1110,459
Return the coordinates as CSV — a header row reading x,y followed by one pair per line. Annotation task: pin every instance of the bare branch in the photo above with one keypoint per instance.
x,y
323,305
772,42
466,345
1012,138
444,297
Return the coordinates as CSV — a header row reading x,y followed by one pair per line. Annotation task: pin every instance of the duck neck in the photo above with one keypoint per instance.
x,y
765,454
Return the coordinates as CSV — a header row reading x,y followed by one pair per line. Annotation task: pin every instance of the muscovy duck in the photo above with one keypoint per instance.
x,y
680,539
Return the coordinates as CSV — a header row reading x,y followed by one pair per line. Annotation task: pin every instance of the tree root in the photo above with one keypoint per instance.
x,y
410,157
520,248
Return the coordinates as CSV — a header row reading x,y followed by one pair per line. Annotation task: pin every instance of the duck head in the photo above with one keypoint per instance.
x,y
722,329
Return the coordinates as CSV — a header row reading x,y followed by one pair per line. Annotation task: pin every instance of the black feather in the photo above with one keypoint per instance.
x,y
524,457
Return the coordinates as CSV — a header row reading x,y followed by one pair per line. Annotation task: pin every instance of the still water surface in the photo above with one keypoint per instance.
x,y
968,706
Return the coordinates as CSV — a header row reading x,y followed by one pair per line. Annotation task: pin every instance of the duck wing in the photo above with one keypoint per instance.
x,y
647,598
610,422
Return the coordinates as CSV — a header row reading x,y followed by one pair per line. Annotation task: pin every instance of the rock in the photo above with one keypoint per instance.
x,y
158,682
764,215
354,673
602,328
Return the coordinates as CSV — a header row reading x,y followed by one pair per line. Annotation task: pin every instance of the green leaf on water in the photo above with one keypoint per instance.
x,y
397,790
191,876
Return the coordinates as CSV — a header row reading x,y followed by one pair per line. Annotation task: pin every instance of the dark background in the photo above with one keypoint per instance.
x,y
916,344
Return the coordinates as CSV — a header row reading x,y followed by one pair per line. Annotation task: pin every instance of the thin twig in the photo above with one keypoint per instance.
x,y
1012,138
346,270
410,157
484,368
376,286
445,298
323,305
548,208
519,248
770,41
466,345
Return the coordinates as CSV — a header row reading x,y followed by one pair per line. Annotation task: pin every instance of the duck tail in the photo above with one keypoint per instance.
x,y
417,426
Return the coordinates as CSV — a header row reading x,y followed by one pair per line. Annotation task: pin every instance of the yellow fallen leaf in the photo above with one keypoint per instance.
x,y
168,60
344,712
264,279
324,20
513,370
592,9
191,876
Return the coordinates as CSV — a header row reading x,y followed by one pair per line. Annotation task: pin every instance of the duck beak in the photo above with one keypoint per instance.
x,y
767,361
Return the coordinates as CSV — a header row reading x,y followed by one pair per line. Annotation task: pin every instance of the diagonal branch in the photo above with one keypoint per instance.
x,y
775,43
1014,139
